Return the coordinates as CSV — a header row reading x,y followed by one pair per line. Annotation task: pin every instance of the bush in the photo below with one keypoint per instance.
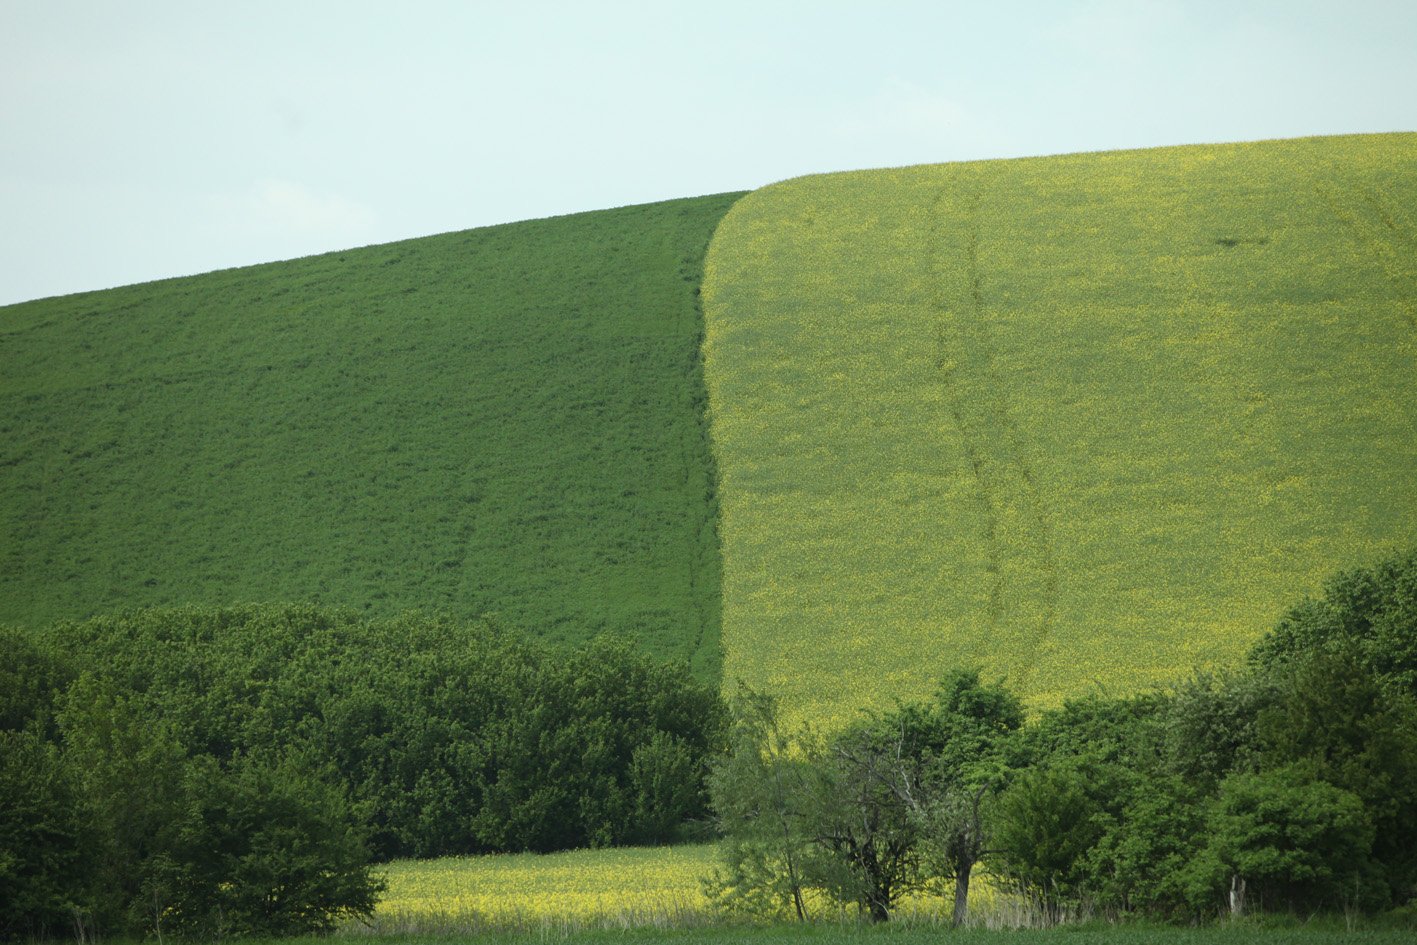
x,y
1045,826
1371,612
1296,842
263,849
44,870
453,738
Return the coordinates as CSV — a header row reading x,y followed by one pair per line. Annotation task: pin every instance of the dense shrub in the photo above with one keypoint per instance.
x,y
1370,612
1296,842
236,770
43,872
454,737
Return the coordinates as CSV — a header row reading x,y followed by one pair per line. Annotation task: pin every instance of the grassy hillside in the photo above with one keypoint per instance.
x,y
1083,420
506,419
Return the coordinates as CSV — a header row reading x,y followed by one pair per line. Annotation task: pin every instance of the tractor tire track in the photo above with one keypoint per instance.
x,y
970,437
1377,237
1006,483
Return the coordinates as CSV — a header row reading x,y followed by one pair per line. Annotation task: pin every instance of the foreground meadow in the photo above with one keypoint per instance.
x,y
1086,421
648,896
624,888
928,935
619,888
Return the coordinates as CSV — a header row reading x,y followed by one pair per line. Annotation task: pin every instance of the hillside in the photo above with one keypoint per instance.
x,y
506,419
1085,421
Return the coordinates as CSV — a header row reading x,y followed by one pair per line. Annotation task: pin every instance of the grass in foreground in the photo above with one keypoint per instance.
x,y
505,419
1085,421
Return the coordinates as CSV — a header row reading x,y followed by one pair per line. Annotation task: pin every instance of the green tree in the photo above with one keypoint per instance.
x,y
1140,858
1210,726
1370,612
45,871
882,807
666,782
127,765
864,822
1284,839
31,678
762,789
1046,824
951,757
263,849
1336,718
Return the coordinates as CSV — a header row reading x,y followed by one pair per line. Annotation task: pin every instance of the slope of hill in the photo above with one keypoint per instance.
x,y
1082,420
507,419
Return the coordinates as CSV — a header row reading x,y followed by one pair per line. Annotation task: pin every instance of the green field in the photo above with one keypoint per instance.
x,y
1086,421
504,420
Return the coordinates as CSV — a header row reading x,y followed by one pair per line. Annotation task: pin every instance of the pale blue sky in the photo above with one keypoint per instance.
x,y
140,140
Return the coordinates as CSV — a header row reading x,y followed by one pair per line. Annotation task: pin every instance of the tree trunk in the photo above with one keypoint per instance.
x,y
796,894
1237,896
792,874
961,909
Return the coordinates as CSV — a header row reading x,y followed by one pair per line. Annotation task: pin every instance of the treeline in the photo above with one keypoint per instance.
x,y
1290,785
236,771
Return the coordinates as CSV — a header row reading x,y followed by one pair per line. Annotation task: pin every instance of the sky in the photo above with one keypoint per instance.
x,y
148,139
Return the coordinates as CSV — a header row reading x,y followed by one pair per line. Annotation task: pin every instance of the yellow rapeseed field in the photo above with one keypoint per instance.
x,y
1086,421
584,888
607,888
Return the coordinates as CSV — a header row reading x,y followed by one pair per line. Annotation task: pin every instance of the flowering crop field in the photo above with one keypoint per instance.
x,y
580,889
589,889
1086,421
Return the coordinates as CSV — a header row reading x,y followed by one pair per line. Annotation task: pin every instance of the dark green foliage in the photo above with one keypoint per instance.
x,y
505,420
261,849
129,766
453,737
30,679
1210,726
230,771
1297,842
1098,731
1370,612
962,735
43,870
593,739
1336,719
1046,823
114,826
1141,861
